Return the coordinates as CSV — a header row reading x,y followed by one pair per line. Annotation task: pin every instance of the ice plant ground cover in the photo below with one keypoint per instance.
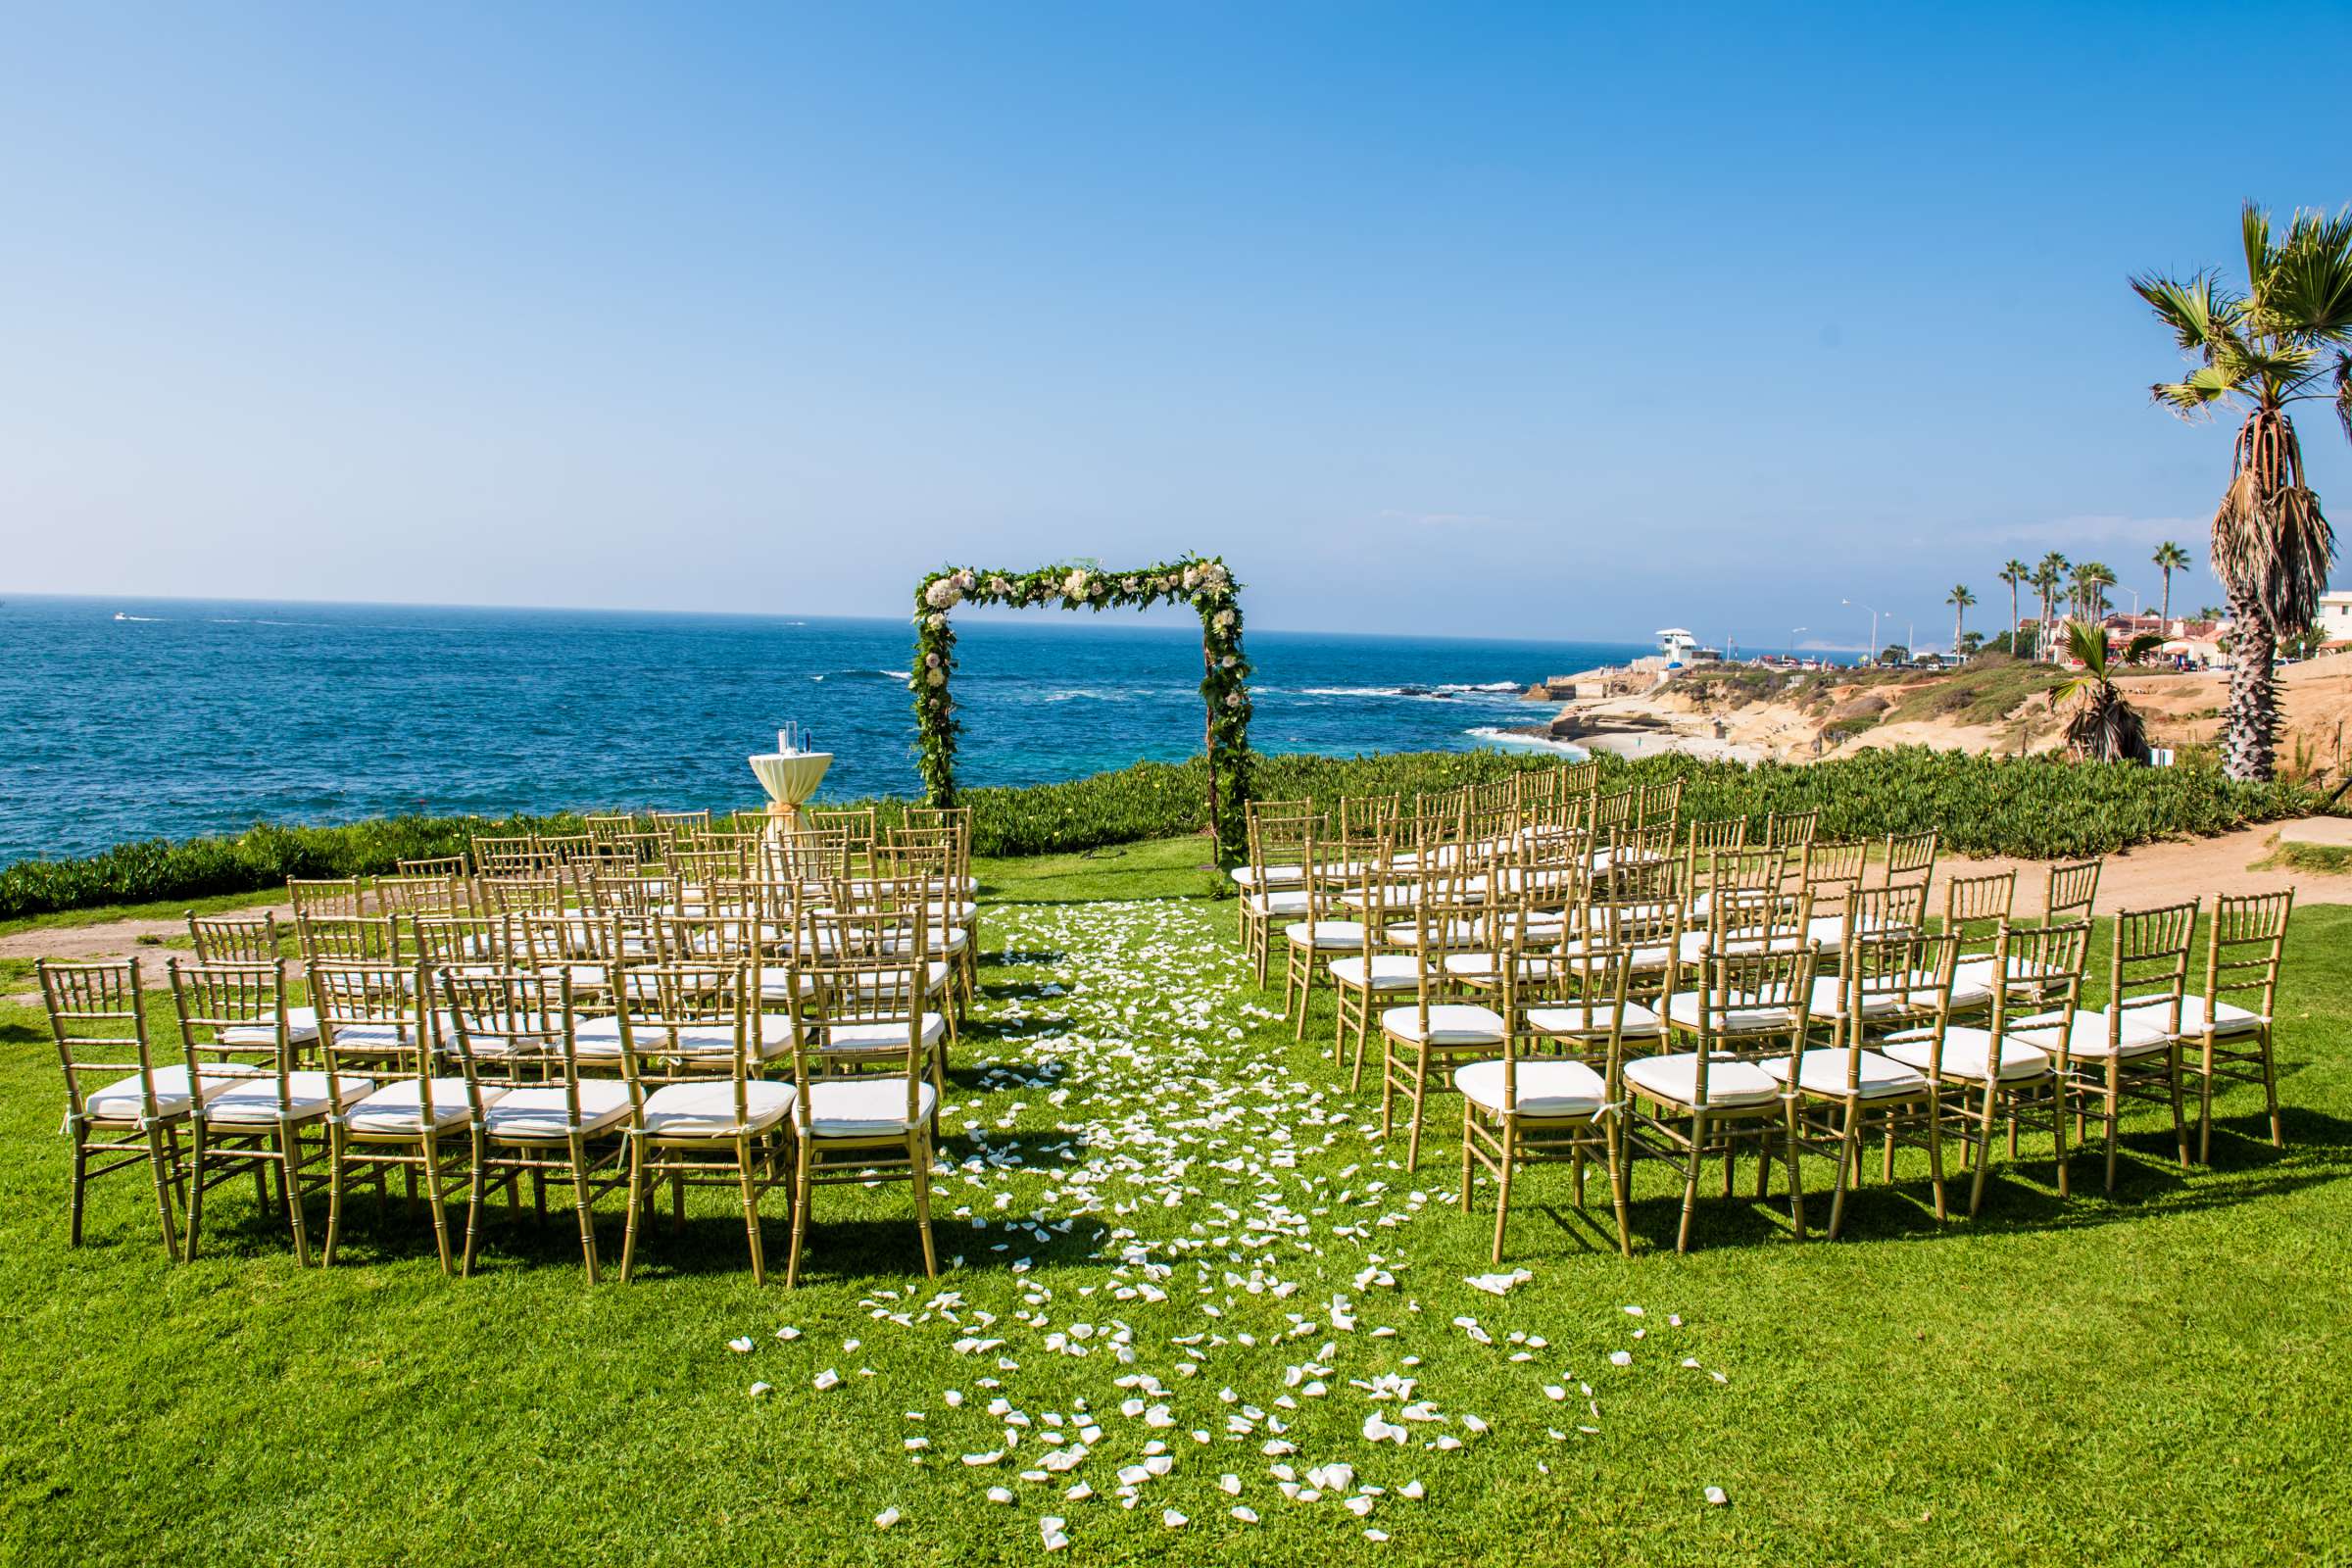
x,y
1188,1276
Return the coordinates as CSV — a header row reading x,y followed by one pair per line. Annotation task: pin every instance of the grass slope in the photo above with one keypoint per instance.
x,y
2160,1378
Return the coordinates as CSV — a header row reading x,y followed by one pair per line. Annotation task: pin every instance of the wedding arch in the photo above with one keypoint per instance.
x,y
1201,581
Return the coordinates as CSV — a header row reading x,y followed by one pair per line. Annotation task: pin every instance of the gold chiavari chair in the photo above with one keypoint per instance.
x,y
449,867
568,848
1985,1076
2130,1050
422,895
269,1116
1791,830
1869,915
467,943
234,938
695,1044
1892,982
124,1108
516,855
2225,1028
418,1118
949,966
356,938
1421,1044
1612,813
2070,891
1257,876
957,822
542,892
680,824
1910,857
1275,889
1557,1105
1832,873
1734,872
1385,967
1974,909
1327,933
1723,833
556,1124
1716,1097
855,994
1659,805
326,896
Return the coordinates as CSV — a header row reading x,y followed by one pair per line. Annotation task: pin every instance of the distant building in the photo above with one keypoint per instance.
x,y
2334,621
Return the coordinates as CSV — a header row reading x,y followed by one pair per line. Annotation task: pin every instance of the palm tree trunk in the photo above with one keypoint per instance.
x,y
2250,728
1959,618
2164,611
2012,620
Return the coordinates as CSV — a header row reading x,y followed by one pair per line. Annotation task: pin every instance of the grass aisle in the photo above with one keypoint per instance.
x,y
1180,1228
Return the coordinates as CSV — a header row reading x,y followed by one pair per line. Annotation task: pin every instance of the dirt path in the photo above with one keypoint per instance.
x,y
2166,873
113,941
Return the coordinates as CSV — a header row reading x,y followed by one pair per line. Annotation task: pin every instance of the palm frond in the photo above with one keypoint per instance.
x,y
2271,542
2254,229
2343,393
2199,310
2309,292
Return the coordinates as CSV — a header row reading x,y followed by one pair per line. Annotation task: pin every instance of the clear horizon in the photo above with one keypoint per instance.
x,y
1430,322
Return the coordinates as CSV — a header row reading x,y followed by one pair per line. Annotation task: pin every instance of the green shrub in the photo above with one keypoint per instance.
x,y
2036,806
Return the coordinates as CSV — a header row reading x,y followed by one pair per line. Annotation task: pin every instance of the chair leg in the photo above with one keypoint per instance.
x,y
751,1208
81,1178
918,1154
1698,1138
1412,1143
581,1200
2058,1142
2205,1107
1613,1144
2179,1124
334,1196
162,1191
1847,1143
436,1191
187,1246
1797,1180
289,1184
2270,1090
473,1203
803,1190
628,1235
1935,1157
1502,1185
1468,1154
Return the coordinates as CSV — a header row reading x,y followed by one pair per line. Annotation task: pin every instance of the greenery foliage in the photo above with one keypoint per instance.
x,y
1202,581
2037,806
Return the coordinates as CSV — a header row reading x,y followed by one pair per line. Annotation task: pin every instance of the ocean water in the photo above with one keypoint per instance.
x,y
125,719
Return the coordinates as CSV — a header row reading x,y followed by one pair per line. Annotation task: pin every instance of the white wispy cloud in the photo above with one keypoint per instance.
x,y
2079,535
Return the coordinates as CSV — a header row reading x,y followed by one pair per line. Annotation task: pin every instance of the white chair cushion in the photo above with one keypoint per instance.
x,y
538,1113
1736,1020
1326,935
1645,959
1482,969
1966,1051
255,1099
1694,944
1674,1079
120,1101
1824,1073
1829,997
1595,1020
1545,1087
707,1109
302,1029
1390,971
1454,1023
873,1107
1248,876
1829,929
1281,902
598,1039
881,1036
2228,1019
397,1108
2136,1037
1444,934
778,986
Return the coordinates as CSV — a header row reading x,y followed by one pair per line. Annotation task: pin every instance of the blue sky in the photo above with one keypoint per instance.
x,y
1539,320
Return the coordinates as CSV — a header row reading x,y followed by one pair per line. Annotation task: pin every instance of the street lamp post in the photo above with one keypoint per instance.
x,y
1874,627
1793,632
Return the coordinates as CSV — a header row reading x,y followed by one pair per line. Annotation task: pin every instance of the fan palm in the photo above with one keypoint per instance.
x,y
2015,573
2100,725
2169,557
2047,578
2286,339
1959,598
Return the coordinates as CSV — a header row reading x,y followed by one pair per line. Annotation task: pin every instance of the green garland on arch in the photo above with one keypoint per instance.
x,y
1204,582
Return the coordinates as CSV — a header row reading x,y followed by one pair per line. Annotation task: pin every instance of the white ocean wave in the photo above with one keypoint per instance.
x,y
120,615
1495,736
1442,691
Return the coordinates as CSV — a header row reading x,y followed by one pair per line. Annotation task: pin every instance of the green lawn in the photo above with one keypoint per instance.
x,y
2160,1378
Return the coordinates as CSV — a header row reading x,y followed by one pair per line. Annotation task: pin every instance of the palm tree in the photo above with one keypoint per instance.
x,y
2015,573
2283,341
2096,580
2169,557
2100,726
2047,578
2212,612
1959,598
